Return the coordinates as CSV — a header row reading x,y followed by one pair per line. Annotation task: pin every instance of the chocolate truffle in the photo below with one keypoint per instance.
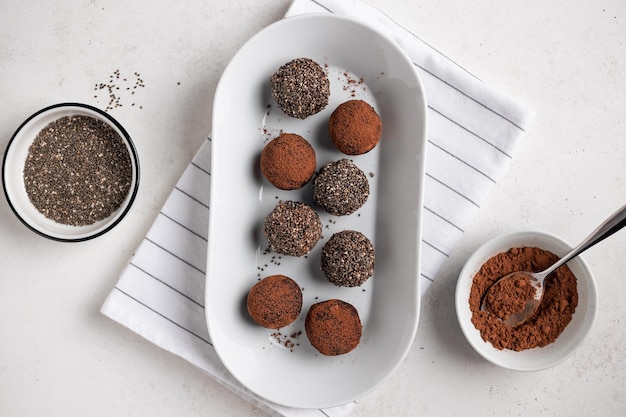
x,y
275,301
292,228
355,128
340,188
288,161
348,258
333,327
300,88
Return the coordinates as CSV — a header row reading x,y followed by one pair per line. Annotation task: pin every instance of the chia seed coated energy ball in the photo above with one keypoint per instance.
x,y
333,327
288,161
300,88
340,188
292,228
354,127
348,259
275,301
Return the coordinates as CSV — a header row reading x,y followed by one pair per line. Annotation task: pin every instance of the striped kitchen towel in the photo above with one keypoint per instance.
x,y
473,133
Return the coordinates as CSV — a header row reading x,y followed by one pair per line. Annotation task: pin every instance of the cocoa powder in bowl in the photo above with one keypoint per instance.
x,y
554,313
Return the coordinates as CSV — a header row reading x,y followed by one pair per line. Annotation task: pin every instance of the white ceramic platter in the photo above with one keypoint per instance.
x,y
282,366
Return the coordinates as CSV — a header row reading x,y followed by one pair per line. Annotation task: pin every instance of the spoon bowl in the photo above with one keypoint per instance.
x,y
527,296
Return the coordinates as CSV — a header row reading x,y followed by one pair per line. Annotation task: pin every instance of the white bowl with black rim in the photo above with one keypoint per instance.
x,y
15,187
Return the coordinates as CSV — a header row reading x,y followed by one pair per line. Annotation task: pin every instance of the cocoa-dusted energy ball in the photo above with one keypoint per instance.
x,y
300,88
292,228
355,128
275,301
333,327
348,258
288,161
340,188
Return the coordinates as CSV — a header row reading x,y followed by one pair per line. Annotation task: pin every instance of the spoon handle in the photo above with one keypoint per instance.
x,y
611,225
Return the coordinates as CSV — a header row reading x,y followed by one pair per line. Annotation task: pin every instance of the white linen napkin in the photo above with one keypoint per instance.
x,y
473,132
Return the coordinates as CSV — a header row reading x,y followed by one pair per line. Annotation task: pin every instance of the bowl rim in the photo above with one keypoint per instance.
x,y
125,208
467,273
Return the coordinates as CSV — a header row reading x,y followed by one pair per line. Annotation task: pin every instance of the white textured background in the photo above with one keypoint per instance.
x,y
567,60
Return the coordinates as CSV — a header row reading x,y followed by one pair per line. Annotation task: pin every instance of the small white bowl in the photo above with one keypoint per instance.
x,y
567,343
13,175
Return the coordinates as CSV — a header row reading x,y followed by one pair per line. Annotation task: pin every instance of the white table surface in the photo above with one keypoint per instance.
x,y
567,60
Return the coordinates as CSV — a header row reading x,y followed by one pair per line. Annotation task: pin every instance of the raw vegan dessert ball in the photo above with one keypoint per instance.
x,y
292,228
333,327
355,128
340,188
288,161
275,301
348,258
300,88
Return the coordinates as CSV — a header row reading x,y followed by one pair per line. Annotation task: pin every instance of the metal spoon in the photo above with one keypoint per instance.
x,y
611,225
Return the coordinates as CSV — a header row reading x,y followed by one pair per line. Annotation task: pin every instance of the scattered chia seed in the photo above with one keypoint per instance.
x,y
78,171
292,228
340,188
300,88
116,83
348,259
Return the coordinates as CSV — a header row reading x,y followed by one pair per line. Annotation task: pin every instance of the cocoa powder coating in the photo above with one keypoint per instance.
x,y
333,327
354,127
551,317
288,161
275,301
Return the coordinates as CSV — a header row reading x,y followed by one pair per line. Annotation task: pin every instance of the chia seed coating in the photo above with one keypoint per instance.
x,y
348,259
340,188
300,88
292,228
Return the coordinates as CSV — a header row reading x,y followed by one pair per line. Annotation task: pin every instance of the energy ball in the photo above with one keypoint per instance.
x,y
355,128
348,258
340,188
292,228
333,327
300,88
275,301
288,161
